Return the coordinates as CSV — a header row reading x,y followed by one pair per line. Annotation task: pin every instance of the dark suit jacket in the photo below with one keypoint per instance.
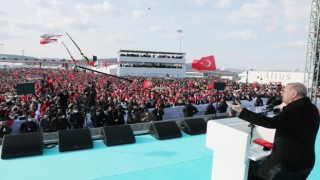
x,y
222,107
296,130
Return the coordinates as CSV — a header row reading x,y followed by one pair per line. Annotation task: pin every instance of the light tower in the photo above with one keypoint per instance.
x,y
180,32
311,76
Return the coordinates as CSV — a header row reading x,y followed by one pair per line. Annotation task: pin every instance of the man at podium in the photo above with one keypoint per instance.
x,y
293,152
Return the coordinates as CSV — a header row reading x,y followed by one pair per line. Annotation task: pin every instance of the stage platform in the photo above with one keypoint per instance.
x,y
181,158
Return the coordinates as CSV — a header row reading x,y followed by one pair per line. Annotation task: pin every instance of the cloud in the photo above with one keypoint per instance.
x,y
292,28
243,35
221,3
104,9
156,29
295,9
119,38
6,36
198,2
289,44
270,29
262,10
138,14
171,35
52,5
3,12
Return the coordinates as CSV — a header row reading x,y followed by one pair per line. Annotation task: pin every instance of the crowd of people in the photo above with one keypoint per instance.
x,y
151,65
152,56
62,98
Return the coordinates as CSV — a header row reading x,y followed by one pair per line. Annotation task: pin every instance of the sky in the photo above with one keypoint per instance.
x,y
246,34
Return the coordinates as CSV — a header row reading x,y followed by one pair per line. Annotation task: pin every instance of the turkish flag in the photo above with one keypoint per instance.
x,y
146,83
205,63
211,86
71,75
50,81
105,63
93,63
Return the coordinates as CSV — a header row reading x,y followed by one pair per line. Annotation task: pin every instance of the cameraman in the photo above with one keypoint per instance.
x,y
91,95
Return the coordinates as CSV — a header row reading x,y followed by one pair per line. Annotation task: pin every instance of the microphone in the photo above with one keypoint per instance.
x,y
273,104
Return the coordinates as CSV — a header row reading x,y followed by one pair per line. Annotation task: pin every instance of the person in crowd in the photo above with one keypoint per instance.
x,y
120,115
222,106
258,101
60,122
110,116
146,116
29,125
189,110
210,109
46,123
157,113
76,119
135,115
98,117
63,100
4,128
297,125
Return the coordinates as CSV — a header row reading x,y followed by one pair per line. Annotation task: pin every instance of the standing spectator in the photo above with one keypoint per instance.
x,y
60,122
46,123
76,119
258,101
4,128
98,117
110,116
29,125
120,114
189,110
146,116
135,115
63,100
210,109
158,113
222,106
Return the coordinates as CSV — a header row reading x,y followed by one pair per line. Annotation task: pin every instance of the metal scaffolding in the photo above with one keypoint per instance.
x,y
311,77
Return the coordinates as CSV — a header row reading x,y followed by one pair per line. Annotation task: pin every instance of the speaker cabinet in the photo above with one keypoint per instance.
x,y
22,145
74,139
165,130
194,126
115,135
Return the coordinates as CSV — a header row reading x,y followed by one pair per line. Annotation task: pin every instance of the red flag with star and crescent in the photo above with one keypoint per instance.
x,y
205,63
146,83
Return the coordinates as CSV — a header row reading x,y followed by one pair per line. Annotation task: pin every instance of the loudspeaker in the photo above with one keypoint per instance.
x,y
194,126
165,130
114,135
219,86
21,145
25,88
74,139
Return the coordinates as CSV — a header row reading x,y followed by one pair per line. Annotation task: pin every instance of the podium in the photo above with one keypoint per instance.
x,y
232,150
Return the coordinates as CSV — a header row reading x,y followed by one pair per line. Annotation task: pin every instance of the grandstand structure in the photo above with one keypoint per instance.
x,y
151,64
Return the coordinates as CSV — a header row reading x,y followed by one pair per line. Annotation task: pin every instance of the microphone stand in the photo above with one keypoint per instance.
x,y
252,126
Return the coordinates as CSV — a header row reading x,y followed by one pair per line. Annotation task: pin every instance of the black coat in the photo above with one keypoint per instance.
x,y
222,107
296,130
210,109
76,120
189,110
157,114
